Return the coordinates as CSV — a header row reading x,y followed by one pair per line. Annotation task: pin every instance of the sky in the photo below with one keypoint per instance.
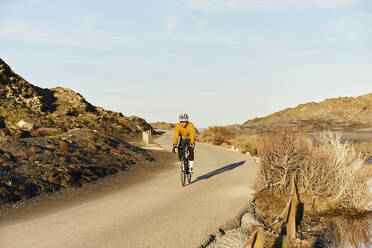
x,y
221,61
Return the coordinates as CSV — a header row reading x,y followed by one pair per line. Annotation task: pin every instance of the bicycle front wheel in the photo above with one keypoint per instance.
x,y
183,176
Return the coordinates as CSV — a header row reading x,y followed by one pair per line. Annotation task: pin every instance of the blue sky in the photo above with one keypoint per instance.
x,y
221,61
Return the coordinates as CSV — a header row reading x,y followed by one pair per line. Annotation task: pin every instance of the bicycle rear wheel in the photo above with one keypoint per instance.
x,y
189,177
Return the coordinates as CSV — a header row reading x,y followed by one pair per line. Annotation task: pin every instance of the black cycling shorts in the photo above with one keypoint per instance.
x,y
183,143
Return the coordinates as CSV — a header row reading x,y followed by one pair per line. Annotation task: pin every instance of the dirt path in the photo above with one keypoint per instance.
x,y
153,213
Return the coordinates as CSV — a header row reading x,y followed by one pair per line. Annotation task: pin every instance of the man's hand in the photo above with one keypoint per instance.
x,y
192,146
174,148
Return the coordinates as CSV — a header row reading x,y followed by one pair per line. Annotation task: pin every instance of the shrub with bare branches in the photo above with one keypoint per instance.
x,y
282,153
326,169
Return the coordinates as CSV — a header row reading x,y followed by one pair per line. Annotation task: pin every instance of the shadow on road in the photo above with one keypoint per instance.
x,y
219,171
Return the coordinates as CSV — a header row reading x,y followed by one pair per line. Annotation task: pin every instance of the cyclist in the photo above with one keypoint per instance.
x,y
184,134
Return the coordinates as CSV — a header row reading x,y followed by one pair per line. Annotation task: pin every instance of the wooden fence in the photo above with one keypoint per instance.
x,y
288,216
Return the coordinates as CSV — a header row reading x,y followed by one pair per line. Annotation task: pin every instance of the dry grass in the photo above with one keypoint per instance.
x,y
349,232
326,169
216,135
364,146
249,143
222,135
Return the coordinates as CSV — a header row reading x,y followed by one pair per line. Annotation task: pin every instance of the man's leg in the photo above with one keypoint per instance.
x,y
180,154
181,150
191,160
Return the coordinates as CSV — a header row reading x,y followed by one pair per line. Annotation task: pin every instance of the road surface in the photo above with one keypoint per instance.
x,y
155,213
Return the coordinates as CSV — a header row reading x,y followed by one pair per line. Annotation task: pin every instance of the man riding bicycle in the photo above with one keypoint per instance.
x,y
184,134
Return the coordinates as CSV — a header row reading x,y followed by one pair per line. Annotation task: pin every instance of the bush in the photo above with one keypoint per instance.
x,y
337,172
64,146
326,169
216,135
282,153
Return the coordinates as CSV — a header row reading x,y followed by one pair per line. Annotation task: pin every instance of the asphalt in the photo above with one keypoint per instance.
x,y
156,212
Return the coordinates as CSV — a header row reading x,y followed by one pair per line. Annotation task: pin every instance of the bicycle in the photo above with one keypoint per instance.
x,y
185,171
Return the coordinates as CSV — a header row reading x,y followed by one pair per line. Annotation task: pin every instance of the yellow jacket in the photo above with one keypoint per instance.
x,y
187,132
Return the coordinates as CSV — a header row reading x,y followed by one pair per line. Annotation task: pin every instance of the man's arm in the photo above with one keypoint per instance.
x,y
176,135
192,134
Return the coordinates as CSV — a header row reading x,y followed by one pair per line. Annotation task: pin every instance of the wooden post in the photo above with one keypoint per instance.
x,y
291,218
146,136
257,238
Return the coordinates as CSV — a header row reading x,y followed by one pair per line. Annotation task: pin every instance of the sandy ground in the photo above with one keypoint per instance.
x,y
156,212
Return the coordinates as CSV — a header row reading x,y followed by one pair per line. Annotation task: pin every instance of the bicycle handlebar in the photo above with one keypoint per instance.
x,y
180,147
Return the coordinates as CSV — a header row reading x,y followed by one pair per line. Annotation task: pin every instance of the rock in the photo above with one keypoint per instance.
x,y
55,178
25,125
19,133
2,123
248,220
8,156
8,164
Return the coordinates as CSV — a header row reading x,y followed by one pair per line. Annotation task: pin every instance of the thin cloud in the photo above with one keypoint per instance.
x,y
171,24
356,26
75,38
252,5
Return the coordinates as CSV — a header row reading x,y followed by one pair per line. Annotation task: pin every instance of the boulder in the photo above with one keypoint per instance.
x,y
25,125
247,221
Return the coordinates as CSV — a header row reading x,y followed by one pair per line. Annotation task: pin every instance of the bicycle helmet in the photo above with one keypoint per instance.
x,y
183,117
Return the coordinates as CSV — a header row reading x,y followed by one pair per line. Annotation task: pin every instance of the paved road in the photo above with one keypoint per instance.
x,y
155,213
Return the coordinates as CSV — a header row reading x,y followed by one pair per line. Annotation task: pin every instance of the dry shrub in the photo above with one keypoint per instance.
x,y
92,147
249,143
48,153
283,152
43,132
216,135
34,149
326,169
336,171
64,146
92,139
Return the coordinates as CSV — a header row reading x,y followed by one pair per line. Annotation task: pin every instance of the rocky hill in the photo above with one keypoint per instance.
x,y
341,113
58,108
53,138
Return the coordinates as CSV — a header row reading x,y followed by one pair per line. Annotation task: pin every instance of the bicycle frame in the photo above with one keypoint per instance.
x,y
185,173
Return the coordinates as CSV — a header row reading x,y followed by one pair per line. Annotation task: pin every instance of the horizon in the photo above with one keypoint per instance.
x,y
226,61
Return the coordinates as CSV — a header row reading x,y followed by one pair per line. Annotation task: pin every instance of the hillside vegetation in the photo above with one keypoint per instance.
x,y
334,113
